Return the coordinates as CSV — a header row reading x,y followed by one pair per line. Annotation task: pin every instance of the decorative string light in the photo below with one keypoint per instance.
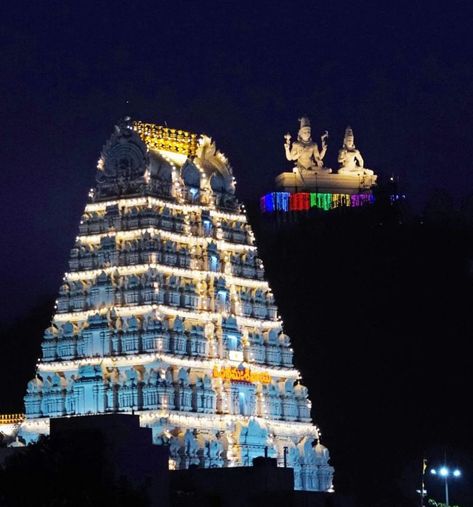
x,y
303,201
159,233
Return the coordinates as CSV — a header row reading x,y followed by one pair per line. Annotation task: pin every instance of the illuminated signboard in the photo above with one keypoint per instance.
x,y
240,374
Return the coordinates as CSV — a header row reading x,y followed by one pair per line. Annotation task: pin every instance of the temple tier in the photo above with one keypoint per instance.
x,y
165,312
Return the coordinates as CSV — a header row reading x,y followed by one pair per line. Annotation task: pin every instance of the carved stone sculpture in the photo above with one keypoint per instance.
x,y
305,152
350,159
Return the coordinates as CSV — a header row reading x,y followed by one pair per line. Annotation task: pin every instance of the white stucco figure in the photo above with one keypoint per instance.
x,y
350,159
305,152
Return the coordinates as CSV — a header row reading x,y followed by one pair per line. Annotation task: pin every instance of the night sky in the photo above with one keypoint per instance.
x,y
242,72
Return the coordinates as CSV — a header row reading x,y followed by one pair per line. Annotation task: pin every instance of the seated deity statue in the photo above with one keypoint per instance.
x,y
350,159
305,152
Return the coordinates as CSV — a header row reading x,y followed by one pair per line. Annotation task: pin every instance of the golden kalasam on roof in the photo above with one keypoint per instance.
x,y
158,137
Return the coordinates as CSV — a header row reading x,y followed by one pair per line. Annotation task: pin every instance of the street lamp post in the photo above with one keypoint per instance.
x,y
445,473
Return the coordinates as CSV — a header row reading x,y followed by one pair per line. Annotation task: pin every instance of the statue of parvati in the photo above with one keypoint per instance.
x,y
350,159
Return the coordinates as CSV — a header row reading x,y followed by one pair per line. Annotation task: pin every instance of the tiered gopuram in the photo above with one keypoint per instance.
x,y
165,312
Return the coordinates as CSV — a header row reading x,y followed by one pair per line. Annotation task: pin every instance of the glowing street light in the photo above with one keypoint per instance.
x,y
445,473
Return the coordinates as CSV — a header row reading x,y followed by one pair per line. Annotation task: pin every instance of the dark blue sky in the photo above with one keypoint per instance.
x,y
243,72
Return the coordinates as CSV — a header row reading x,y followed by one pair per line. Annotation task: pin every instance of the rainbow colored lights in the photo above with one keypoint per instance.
x,y
303,201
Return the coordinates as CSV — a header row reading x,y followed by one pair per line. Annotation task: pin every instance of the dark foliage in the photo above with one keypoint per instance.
x,y
378,308
21,346
59,472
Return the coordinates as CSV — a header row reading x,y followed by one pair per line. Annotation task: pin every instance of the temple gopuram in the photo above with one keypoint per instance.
x,y
165,313
312,185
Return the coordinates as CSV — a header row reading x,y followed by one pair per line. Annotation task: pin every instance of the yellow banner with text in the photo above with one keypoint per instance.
x,y
240,374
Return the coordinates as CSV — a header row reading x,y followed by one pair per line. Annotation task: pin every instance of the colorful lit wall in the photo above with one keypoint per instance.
x,y
302,201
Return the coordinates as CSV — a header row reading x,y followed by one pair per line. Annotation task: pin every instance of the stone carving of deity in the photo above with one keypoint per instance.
x,y
350,159
305,152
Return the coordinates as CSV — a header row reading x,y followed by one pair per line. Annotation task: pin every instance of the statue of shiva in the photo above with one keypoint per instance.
x,y
305,152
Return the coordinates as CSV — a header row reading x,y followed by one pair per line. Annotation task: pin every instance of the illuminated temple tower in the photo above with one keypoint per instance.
x,y
165,312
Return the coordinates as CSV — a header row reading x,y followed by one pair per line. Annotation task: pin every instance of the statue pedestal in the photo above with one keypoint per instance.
x,y
324,182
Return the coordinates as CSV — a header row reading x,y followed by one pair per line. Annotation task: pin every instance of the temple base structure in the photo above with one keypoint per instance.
x,y
325,182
